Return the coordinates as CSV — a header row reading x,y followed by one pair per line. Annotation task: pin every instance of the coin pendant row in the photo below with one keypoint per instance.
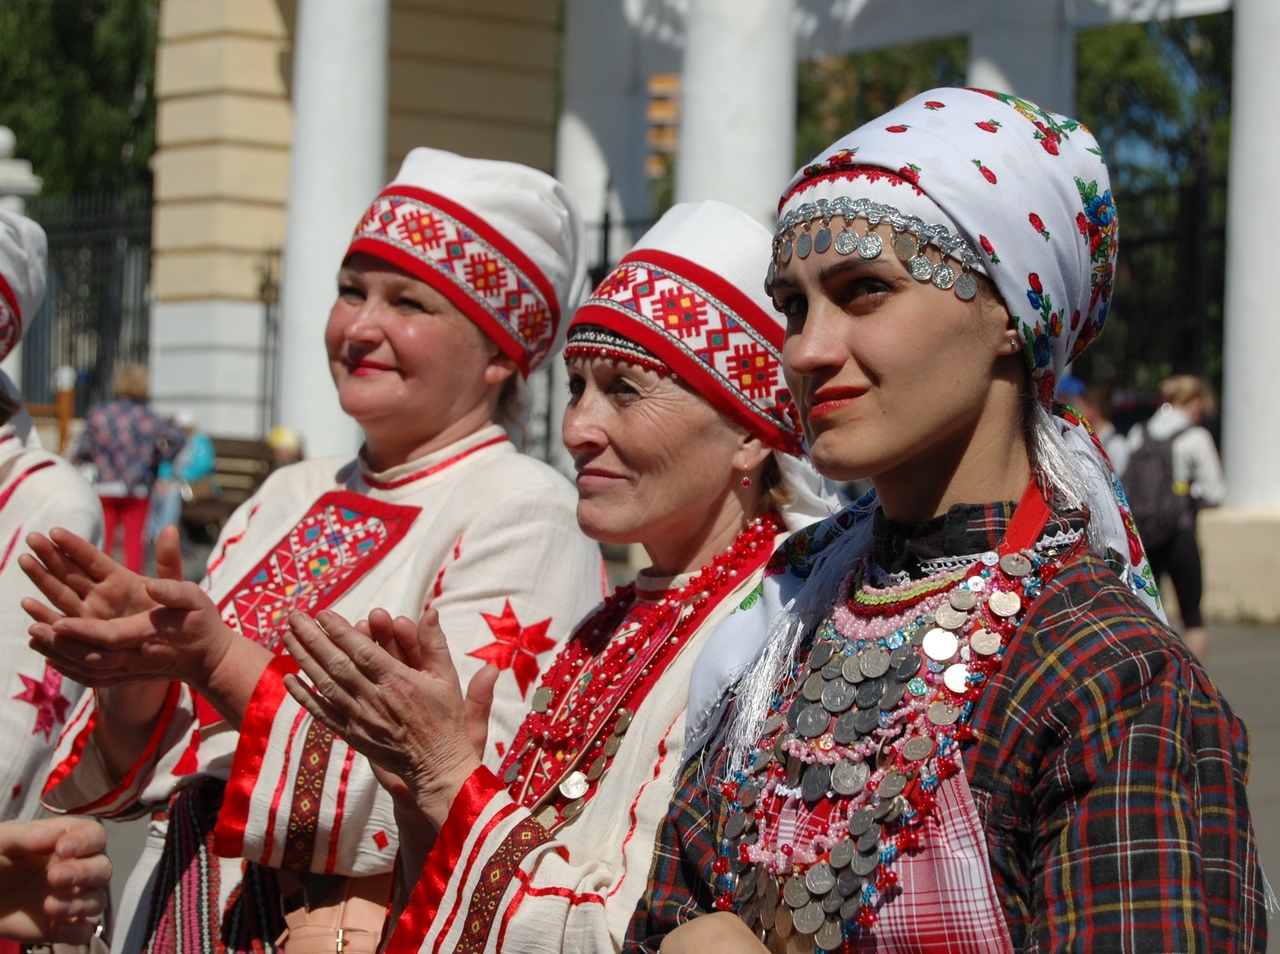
x,y
868,246
867,726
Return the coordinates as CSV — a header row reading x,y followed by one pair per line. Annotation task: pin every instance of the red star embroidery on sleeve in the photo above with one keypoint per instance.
x,y
516,647
51,705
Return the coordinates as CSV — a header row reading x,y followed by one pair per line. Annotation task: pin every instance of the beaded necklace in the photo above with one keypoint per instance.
x,y
590,693
868,725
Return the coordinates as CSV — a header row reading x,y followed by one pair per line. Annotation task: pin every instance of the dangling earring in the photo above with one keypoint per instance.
x,y
746,480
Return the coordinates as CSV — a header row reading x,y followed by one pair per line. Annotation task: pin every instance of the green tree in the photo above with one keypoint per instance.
x,y
1158,97
76,87
839,93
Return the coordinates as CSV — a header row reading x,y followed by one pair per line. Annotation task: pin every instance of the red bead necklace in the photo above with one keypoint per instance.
x,y
591,691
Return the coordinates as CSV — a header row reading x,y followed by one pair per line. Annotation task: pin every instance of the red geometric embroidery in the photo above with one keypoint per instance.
x,y
716,339
755,371
533,324
332,546
638,297
454,252
516,647
380,839
485,273
616,285
421,228
498,872
51,705
304,818
683,313
708,330
493,280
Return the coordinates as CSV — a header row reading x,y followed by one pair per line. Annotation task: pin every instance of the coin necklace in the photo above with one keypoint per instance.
x,y
859,738
590,692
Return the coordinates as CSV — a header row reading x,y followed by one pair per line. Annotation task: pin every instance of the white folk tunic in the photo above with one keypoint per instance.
x,y
486,536
38,491
497,880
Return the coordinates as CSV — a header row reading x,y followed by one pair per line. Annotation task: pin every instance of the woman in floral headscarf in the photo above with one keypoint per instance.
x,y
954,720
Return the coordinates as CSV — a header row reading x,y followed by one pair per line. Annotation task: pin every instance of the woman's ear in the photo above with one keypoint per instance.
x,y
751,454
499,369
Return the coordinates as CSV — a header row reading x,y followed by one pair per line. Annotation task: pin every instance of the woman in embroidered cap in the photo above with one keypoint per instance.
x,y
966,728
53,874
38,491
681,430
451,290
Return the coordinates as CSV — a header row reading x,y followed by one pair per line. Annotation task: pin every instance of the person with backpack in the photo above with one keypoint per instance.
x,y
1173,473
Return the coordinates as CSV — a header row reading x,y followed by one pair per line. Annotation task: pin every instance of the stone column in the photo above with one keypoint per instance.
x,y
337,165
1240,541
1024,48
600,156
738,104
221,176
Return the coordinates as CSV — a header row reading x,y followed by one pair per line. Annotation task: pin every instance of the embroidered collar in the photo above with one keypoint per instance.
x,y
422,467
963,532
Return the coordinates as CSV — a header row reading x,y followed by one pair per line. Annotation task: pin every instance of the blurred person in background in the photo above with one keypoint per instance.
x,y
286,446
125,441
186,478
1175,444
1093,401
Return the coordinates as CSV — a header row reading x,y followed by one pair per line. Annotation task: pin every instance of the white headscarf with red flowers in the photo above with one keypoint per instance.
x,y
1026,194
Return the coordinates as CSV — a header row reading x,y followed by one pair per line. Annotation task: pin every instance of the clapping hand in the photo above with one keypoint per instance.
x,y
390,690
54,877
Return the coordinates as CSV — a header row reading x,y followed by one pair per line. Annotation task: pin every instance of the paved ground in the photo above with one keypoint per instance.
x,y
1244,661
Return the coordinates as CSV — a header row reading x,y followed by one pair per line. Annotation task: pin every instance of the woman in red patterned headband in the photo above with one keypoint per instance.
x,y
681,431
962,725
452,289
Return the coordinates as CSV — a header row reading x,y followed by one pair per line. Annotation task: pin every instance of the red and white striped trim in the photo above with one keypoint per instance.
x,y
473,265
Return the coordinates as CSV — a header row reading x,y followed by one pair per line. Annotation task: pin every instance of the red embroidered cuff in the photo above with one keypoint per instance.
x,y
68,765
445,856
251,750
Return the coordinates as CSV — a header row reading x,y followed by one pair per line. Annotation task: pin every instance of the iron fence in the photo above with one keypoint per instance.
x,y
96,312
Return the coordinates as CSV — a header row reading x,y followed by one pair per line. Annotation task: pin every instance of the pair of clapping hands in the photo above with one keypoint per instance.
x,y
53,879
386,686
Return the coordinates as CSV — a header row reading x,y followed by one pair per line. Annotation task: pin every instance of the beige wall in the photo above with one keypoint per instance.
x,y
1238,550
477,77
474,76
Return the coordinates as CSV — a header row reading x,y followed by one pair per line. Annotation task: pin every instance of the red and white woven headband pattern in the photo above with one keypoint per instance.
x,y
702,337
495,286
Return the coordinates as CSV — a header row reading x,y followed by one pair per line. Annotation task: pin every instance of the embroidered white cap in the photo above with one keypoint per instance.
x,y
24,253
503,242
691,294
